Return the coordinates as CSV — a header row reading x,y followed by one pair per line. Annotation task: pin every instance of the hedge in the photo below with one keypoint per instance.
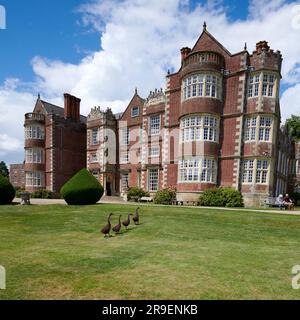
x,y
221,197
7,191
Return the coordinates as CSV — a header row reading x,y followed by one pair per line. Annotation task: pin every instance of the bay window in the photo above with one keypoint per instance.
x,y
258,128
255,171
261,84
34,156
198,170
202,85
200,128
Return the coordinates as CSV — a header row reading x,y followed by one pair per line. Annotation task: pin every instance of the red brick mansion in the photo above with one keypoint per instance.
x,y
217,123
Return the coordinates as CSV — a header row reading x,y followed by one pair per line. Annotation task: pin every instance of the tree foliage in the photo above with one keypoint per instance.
x,y
7,191
3,169
293,126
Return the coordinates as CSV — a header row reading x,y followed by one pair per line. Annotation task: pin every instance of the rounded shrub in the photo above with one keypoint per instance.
x,y
221,197
165,196
7,191
82,189
136,193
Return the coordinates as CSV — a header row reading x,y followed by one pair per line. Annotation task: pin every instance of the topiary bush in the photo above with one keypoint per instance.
x,y
7,191
136,192
82,189
221,197
165,196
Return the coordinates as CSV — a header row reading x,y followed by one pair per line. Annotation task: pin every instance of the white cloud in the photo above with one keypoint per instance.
x,y
290,102
140,40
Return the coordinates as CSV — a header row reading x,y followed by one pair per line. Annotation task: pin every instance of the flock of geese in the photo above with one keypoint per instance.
x,y
117,228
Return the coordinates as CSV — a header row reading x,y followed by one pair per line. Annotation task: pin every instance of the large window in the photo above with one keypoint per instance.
x,y
95,137
34,132
200,128
124,157
258,127
153,180
255,170
202,85
125,136
34,179
250,129
34,156
198,170
261,84
155,125
154,152
248,171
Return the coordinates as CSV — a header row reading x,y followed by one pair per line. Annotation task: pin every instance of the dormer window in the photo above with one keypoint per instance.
x,y
135,112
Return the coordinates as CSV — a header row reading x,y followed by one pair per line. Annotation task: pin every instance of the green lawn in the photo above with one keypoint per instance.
x,y
57,252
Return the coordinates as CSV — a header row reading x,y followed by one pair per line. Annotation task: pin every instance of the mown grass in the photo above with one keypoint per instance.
x,y
57,252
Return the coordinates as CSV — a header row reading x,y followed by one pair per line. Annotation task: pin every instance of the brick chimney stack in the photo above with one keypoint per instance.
x,y
72,107
184,53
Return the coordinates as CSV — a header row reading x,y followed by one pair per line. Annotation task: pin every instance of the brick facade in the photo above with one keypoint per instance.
x,y
17,175
217,123
55,144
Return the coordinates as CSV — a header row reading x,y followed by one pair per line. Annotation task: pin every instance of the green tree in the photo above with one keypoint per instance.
x,y
3,169
293,126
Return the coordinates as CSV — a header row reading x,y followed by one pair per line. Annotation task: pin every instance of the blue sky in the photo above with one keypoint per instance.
x,y
52,29
48,28
101,52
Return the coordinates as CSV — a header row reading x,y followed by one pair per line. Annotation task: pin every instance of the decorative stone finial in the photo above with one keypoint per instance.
x,y
245,47
204,26
39,96
136,91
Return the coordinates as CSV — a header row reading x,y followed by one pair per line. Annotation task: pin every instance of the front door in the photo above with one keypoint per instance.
x,y
108,189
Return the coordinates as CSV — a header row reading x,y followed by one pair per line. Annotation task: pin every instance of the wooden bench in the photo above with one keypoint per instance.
x,y
187,203
146,199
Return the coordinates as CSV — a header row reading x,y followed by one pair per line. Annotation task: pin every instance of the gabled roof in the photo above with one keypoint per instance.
x,y
50,108
206,41
136,96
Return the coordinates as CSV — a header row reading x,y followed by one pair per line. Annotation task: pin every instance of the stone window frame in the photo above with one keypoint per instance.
x,y
260,84
260,174
94,136
35,132
125,136
133,115
262,130
197,170
124,157
195,127
34,155
154,154
152,183
35,177
154,128
202,85
94,158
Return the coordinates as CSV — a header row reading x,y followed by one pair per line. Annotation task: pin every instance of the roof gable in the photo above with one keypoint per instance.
x,y
136,101
206,42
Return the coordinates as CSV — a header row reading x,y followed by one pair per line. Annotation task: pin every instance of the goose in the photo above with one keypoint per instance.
x,y
136,217
106,229
118,227
126,223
